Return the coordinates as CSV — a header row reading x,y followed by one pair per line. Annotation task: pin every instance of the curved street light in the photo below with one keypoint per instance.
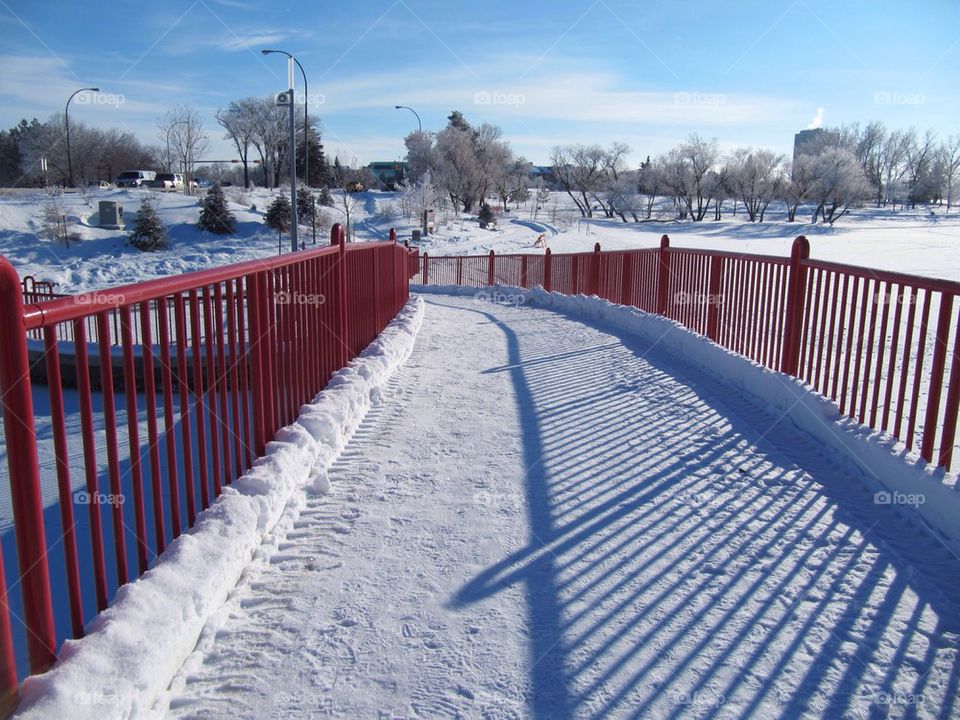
x,y
66,118
306,144
404,107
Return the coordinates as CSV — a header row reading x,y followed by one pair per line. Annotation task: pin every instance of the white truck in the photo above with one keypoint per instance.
x,y
135,178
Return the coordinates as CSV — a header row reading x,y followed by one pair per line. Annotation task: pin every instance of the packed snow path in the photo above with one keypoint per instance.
x,y
542,519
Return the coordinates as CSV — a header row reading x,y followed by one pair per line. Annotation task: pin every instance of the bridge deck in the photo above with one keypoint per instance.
x,y
544,519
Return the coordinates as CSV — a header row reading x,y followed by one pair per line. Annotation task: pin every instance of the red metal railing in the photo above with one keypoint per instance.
x,y
222,358
883,345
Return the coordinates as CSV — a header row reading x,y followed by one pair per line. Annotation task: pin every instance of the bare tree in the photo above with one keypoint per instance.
x,y
686,174
950,161
651,183
579,169
183,125
920,155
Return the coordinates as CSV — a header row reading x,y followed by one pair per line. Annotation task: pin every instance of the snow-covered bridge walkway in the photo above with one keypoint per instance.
x,y
543,519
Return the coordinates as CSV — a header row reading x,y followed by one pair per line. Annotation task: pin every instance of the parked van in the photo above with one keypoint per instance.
x,y
135,178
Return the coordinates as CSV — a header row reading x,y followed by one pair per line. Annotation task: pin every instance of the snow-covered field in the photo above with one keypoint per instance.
x,y
906,241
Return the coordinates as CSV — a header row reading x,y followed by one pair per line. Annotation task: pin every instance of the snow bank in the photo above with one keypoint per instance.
x,y
882,461
133,649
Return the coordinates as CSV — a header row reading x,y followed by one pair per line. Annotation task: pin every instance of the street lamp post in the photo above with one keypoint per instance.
x,y
290,96
306,119
66,119
404,107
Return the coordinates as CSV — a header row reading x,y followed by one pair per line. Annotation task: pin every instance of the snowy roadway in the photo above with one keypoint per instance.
x,y
543,519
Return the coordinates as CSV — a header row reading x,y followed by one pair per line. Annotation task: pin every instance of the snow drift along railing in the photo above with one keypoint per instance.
x,y
883,345
236,352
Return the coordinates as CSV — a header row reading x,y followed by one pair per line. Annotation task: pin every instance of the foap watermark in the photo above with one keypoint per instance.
x,y
98,498
889,298
698,98
498,97
885,497
500,298
887,699
699,698
295,297
97,696
496,501
101,298
686,298
101,98
887,97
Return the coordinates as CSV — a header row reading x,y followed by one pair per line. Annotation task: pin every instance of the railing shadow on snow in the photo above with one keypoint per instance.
x,y
638,607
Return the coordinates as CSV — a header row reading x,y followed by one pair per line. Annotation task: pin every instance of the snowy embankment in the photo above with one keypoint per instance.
x,y
134,648
900,478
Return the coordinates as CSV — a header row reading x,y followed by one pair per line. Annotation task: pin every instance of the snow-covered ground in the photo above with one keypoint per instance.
x,y
545,517
906,241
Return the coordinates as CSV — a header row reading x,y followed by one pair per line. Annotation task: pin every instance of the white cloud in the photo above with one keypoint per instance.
x,y
579,96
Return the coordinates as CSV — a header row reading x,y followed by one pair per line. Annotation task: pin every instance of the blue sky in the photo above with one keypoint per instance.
x,y
749,72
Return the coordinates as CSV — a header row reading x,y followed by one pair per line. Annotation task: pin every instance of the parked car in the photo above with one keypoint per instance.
x,y
167,181
135,178
202,182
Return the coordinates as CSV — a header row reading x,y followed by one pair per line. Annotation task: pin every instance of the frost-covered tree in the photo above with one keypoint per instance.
x,y
417,196
238,122
215,215
755,179
686,169
839,183
148,233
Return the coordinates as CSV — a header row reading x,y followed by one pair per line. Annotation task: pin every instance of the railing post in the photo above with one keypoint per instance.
x,y
663,277
547,270
937,368
713,297
490,265
344,354
459,270
393,235
426,268
523,271
626,279
255,355
335,233
594,288
24,474
793,320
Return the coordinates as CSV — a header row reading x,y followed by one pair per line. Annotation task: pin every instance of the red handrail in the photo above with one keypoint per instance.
x,y
843,329
240,349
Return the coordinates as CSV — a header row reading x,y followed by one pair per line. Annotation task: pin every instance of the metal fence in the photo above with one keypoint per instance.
x,y
207,367
883,345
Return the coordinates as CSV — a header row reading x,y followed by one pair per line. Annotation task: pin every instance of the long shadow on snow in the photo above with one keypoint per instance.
x,y
638,607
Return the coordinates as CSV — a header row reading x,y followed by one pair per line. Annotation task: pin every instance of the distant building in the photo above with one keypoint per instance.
x,y
813,142
543,172
389,173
